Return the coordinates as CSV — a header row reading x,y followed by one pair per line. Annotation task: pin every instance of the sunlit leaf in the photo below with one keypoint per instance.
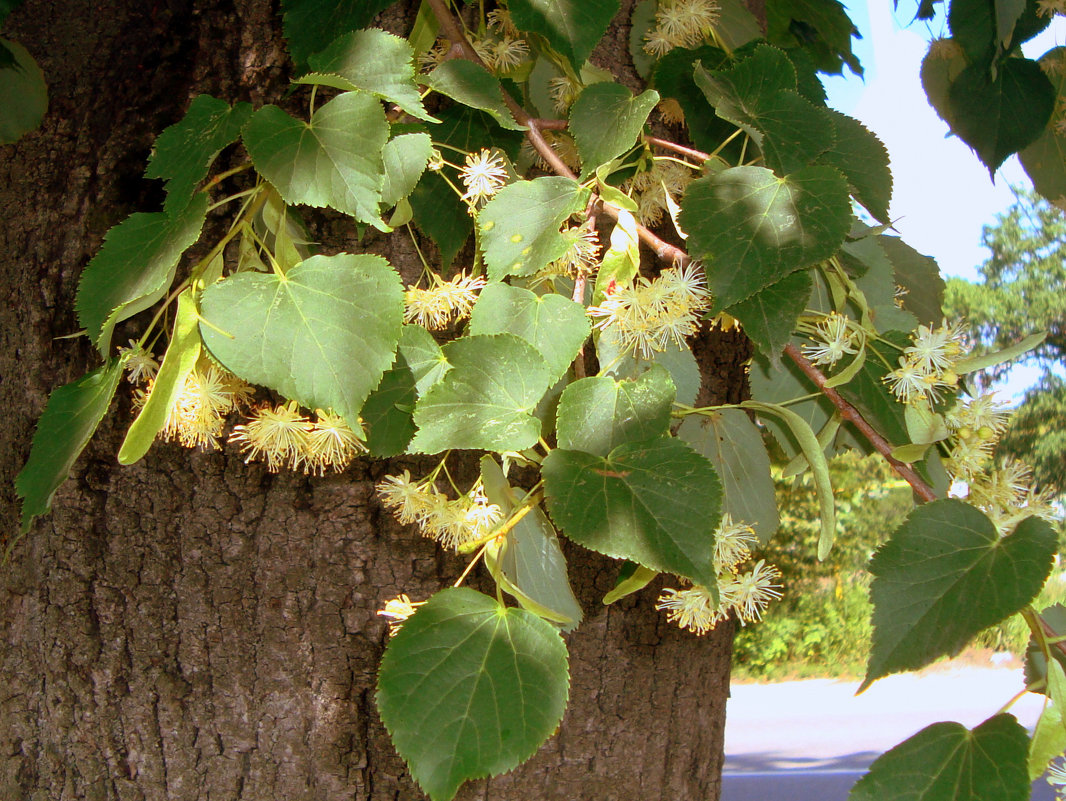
x,y
1045,159
178,362
597,414
486,400
468,688
372,61
310,25
423,356
520,225
322,335
948,762
945,575
334,160
134,268
554,325
655,502
474,86
863,159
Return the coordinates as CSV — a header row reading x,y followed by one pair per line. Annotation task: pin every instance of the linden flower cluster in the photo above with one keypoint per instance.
x,y
650,188
1003,491
483,175
139,364
283,437
198,416
442,303
451,523
581,257
746,594
834,336
648,315
680,23
925,368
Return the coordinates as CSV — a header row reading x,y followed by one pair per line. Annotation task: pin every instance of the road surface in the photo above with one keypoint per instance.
x,y
812,740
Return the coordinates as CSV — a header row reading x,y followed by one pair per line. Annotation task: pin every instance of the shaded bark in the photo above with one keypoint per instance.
x,y
192,627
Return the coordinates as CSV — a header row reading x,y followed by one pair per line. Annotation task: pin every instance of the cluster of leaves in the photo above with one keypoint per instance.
x,y
628,466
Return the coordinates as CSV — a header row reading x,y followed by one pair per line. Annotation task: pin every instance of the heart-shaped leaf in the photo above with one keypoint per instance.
x,y
572,27
597,414
945,575
554,325
606,120
655,502
486,400
950,762
752,228
520,225
323,334
334,160
473,86
469,688
372,61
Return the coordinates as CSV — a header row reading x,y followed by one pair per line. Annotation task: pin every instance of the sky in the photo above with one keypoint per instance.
x,y
942,194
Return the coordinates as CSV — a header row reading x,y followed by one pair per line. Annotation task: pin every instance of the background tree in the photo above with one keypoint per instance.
x,y
1021,293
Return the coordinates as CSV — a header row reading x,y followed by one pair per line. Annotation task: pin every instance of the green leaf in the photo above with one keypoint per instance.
x,y
183,153
529,564
770,315
572,27
752,228
759,95
370,61
621,262
23,93
520,225
983,361
405,158
641,22
178,362
997,118
1045,159
71,416
388,412
941,65
1049,741
474,86
423,356
950,762
134,268
945,575
323,334
736,25
863,159
973,26
310,25
606,121
486,400
1054,618
733,444
920,276
555,326
334,160
878,284
812,450
468,688
655,502
598,414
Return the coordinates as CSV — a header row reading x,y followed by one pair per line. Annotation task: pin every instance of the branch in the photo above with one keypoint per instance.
x,y
854,416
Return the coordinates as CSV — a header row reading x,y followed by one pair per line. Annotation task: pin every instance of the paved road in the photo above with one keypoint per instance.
x,y
812,740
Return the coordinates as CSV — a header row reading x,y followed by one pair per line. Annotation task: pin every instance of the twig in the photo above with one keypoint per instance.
x,y
684,151
854,416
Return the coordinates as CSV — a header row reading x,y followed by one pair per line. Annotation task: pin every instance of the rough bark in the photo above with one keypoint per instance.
x,y
192,627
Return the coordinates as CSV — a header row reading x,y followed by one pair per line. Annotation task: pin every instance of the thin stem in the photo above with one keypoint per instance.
x,y
469,567
666,144
853,416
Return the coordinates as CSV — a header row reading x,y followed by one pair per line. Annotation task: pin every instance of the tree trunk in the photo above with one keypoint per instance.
x,y
192,627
